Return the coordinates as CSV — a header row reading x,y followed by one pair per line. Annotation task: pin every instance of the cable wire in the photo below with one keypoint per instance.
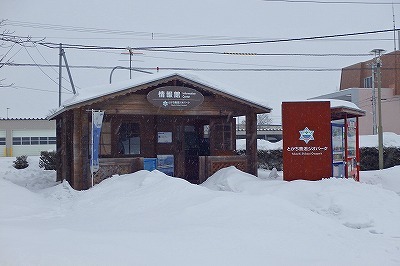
x,y
96,47
333,2
39,66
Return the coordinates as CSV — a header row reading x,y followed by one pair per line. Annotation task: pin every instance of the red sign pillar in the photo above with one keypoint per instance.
x,y
307,138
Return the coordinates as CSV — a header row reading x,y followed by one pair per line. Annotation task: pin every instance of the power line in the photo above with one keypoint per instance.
x,y
149,35
268,41
52,67
333,2
11,64
95,47
29,88
39,66
219,62
258,54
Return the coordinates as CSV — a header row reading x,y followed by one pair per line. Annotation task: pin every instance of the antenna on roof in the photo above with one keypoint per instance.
x,y
130,52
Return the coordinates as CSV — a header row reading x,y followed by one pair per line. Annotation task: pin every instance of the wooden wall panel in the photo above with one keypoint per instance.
x,y
138,104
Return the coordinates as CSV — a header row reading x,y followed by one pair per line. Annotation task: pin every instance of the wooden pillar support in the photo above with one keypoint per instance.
x,y
251,142
80,150
60,127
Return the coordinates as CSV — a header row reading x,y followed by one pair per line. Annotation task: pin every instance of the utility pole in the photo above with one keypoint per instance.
x,y
378,64
59,74
394,28
374,131
61,56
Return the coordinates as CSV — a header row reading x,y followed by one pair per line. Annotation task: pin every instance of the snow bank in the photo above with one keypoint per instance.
x,y
389,140
386,178
148,218
262,144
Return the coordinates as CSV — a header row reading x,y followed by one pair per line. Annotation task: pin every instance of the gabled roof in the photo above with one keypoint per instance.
x,y
91,94
340,108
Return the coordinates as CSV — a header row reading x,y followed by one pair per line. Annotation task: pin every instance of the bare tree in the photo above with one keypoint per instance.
x,y
264,119
8,40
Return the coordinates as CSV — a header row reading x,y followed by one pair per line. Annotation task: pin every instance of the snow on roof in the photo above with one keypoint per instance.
x,y
335,103
98,91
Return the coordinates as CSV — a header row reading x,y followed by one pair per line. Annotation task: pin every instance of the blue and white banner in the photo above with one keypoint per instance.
x,y
97,121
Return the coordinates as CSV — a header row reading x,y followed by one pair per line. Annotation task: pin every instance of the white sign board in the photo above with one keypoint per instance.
x,y
164,137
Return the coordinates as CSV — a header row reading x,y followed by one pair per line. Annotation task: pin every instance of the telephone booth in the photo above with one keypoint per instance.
x,y
320,139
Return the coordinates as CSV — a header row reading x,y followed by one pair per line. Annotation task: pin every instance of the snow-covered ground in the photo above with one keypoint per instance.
x,y
147,218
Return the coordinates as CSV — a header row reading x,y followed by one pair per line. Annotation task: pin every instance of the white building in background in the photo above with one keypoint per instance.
x,y
362,97
26,136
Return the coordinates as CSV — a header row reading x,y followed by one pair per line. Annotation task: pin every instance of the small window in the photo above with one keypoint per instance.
x,y
223,136
105,139
43,140
129,139
17,141
26,141
34,140
368,82
52,140
2,141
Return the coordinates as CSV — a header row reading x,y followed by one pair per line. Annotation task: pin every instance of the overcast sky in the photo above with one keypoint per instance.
x,y
169,23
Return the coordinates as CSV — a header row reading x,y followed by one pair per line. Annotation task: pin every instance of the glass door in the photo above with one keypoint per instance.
x,y
351,148
338,149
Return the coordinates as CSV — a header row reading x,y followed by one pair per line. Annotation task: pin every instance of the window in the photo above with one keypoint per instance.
x,y
368,82
223,136
105,139
17,141
26,141
129,138
52,140
2,141
32,140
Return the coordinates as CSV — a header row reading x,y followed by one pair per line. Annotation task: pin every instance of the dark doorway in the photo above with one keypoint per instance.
x,y
195,145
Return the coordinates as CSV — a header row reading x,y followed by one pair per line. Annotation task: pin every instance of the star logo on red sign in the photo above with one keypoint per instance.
x,y
306,135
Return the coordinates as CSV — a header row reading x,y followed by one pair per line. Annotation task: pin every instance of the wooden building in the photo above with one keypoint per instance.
x,y
180,115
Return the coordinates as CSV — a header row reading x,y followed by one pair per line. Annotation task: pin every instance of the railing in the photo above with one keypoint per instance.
x,y
117,166
208,165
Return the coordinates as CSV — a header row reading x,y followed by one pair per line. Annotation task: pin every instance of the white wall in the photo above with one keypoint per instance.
x,y
2,147
32,150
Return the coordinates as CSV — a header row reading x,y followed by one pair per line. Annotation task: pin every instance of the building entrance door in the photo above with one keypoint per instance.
x,y
195,145
338,149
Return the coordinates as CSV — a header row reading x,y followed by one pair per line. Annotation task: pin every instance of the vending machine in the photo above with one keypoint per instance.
x,y
338,149
344,148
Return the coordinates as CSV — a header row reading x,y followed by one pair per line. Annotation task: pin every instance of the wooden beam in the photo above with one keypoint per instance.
x,y
251,142
78,180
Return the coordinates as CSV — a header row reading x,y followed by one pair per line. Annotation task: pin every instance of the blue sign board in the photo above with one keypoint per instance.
x,y
165,164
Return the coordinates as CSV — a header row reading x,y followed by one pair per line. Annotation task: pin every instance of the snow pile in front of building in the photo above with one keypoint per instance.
x,y
148,218
389,140
262,144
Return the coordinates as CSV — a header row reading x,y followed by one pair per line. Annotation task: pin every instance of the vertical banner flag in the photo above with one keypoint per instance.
x,y
97,120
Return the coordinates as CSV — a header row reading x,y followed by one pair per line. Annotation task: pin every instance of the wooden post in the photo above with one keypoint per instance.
x,y
59,141
78,177
65,148
85,139
357,151
251,143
